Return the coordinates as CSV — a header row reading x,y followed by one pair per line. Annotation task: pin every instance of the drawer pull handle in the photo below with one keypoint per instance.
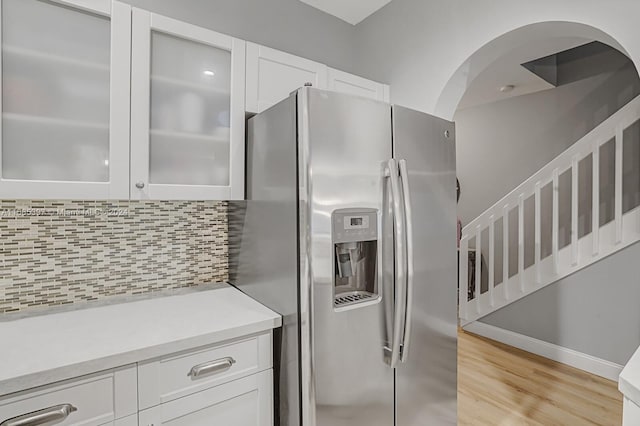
x,y
211,367
41,417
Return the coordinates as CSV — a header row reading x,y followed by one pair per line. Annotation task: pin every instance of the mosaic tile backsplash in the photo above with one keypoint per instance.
x,y
63,252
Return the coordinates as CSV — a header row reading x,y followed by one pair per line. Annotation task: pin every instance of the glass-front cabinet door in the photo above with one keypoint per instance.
x,y
187,117
65,99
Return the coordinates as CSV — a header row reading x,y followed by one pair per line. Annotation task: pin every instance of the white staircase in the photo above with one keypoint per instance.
x,y
581,207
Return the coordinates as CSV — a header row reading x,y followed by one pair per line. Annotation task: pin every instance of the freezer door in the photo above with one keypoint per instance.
x,y
426,379
344,142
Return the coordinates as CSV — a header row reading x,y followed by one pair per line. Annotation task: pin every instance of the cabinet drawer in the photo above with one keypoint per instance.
x,y
97,399
243,402
185,373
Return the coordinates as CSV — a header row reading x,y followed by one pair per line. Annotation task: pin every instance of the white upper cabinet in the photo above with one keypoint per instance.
x,y
99,100
340,81
65,99
272,75
187,117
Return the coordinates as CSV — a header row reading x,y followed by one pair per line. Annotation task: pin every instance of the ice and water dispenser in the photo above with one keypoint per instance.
x,y
355,245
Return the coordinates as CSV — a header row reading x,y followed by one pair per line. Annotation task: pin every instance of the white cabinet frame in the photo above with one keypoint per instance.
x,y
143,23
118,185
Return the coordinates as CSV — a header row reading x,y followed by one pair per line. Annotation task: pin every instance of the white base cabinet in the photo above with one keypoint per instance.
x,y
243,402
228,383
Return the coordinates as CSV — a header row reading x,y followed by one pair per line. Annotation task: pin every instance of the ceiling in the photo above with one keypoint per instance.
x,y
507,70
352,11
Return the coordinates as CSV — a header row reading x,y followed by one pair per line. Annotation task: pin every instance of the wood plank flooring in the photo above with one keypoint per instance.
x,y
504,386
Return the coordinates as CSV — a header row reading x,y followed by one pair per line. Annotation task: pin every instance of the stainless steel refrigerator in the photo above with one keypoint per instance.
x,y
349,232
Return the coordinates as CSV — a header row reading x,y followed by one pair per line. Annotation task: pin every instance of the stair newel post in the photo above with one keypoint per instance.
x,y
463,277
478,266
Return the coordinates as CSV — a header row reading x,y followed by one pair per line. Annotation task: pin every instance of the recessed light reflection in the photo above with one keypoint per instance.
x,y
106,162
209,73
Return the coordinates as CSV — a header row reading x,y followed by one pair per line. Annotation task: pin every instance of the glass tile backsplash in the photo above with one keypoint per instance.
x,y
62,252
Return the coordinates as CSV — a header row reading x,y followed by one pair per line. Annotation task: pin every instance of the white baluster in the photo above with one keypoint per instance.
x,y
538,233
595,188
491,259
618,185
521,241
505,251
554,225
574,210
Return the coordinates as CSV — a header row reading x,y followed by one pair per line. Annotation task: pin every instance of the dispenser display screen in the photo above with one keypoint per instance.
x,y
356,222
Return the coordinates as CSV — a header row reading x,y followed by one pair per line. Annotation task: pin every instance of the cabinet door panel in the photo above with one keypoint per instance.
x,y
65,104
272,75
188,111
96,399
190,101
243,402
340,81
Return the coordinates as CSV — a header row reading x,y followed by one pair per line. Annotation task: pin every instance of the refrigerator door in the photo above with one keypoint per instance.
x,y
426,377
343,143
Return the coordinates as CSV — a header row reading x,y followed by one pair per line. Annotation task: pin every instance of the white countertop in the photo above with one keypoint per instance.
x,y
629,380
44,349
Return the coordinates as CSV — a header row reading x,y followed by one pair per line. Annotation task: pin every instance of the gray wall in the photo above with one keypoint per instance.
x,y
288,25
594,311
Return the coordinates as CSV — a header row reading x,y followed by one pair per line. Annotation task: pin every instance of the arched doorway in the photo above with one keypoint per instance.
x,y
482,58
569,313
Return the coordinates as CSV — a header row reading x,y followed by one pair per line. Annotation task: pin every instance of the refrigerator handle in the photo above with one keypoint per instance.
x,y
406,195
399,264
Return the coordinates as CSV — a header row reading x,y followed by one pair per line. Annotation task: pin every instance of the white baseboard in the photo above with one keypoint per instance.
x,y
582,361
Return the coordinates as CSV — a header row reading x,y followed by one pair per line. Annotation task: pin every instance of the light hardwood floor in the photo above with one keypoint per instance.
x,y
505,386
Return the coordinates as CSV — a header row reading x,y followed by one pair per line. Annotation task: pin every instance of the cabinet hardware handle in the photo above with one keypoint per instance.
x,y
139,185
41,417
216,366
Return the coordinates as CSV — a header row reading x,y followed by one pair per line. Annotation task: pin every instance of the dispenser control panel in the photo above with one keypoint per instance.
x,y
355,225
